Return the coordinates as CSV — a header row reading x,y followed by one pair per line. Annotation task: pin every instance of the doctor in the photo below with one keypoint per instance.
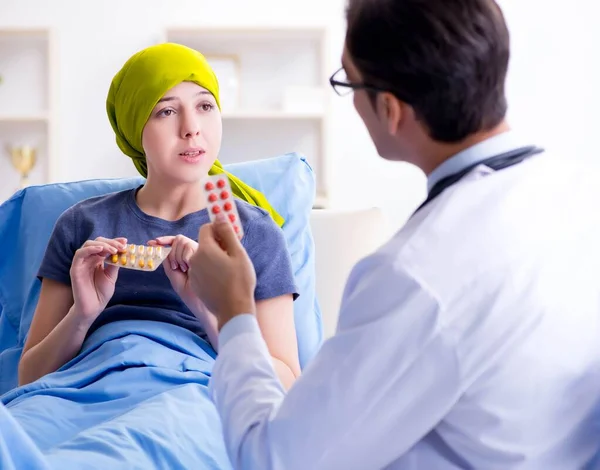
x,y
472,338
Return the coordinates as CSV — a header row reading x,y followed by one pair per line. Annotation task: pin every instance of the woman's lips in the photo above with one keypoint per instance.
x,y
191,156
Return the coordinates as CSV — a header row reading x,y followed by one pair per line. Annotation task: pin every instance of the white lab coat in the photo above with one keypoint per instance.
x,y
470,340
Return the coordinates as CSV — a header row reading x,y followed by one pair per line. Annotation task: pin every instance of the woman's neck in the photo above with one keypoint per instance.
x,y
170,202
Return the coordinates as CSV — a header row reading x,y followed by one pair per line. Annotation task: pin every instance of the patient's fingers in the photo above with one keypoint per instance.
x,y
166,240
188,251
96,247
93,251
176,254
182,249
185,249
119,243
90,250
186,255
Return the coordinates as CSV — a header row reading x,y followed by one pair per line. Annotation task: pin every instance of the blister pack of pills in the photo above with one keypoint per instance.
x,y
140,257
220,199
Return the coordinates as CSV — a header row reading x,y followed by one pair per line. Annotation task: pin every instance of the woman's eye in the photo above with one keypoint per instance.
x,y
207,107
166,112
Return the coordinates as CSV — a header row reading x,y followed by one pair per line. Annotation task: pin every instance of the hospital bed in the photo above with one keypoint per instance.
x,y
137,396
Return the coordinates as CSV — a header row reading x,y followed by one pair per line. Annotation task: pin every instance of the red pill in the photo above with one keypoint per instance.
x,y
227,206
224,195
236,229
209,186
221,183
216,209
232,217
213,197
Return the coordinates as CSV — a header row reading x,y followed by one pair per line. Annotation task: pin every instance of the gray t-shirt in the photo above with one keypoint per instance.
x,y
148,295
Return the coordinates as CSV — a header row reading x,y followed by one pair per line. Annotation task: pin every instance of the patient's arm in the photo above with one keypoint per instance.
x,y
276,320
56,333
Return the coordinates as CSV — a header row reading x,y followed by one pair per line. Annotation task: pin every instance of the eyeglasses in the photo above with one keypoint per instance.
x,y
342,86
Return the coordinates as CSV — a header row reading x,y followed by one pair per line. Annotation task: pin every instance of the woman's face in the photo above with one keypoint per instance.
x,y
182,137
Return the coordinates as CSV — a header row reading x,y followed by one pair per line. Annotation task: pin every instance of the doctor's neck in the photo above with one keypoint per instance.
x,y
433,153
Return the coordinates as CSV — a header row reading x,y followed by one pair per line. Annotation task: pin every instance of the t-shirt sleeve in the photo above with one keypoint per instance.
x,y
61,248
265,243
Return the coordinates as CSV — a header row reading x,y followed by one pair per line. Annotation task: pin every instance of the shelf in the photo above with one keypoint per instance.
x,y
245,34
271,115
274,90
43,117
24,65
23,32
27,94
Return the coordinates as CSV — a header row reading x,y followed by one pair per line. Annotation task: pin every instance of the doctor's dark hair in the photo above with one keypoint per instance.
x,y
447,59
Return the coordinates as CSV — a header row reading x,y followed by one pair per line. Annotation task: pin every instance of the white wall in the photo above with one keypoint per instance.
x,y
552,88
95,38
553,78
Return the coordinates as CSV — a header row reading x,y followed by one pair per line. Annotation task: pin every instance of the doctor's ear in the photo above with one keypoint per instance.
x,y
389,110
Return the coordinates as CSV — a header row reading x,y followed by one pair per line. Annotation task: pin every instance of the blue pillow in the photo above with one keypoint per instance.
x,y
27,220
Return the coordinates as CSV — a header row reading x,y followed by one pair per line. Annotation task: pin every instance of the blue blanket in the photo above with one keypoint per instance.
x,y
135,397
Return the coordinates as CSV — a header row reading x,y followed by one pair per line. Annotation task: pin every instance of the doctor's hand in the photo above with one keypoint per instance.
x,y
221,272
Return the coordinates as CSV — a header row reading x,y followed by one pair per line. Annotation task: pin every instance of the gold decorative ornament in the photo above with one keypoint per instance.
x,y
23,159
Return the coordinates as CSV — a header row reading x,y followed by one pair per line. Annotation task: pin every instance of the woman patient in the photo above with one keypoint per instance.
x,y
164,108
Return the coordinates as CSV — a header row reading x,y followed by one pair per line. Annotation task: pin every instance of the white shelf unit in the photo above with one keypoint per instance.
x,y
258,120
27,83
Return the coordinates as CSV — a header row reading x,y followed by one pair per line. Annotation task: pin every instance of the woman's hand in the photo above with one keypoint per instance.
x,y
176,267
92,281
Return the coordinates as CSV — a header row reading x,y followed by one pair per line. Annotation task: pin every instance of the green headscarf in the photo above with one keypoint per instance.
x,y
135,91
